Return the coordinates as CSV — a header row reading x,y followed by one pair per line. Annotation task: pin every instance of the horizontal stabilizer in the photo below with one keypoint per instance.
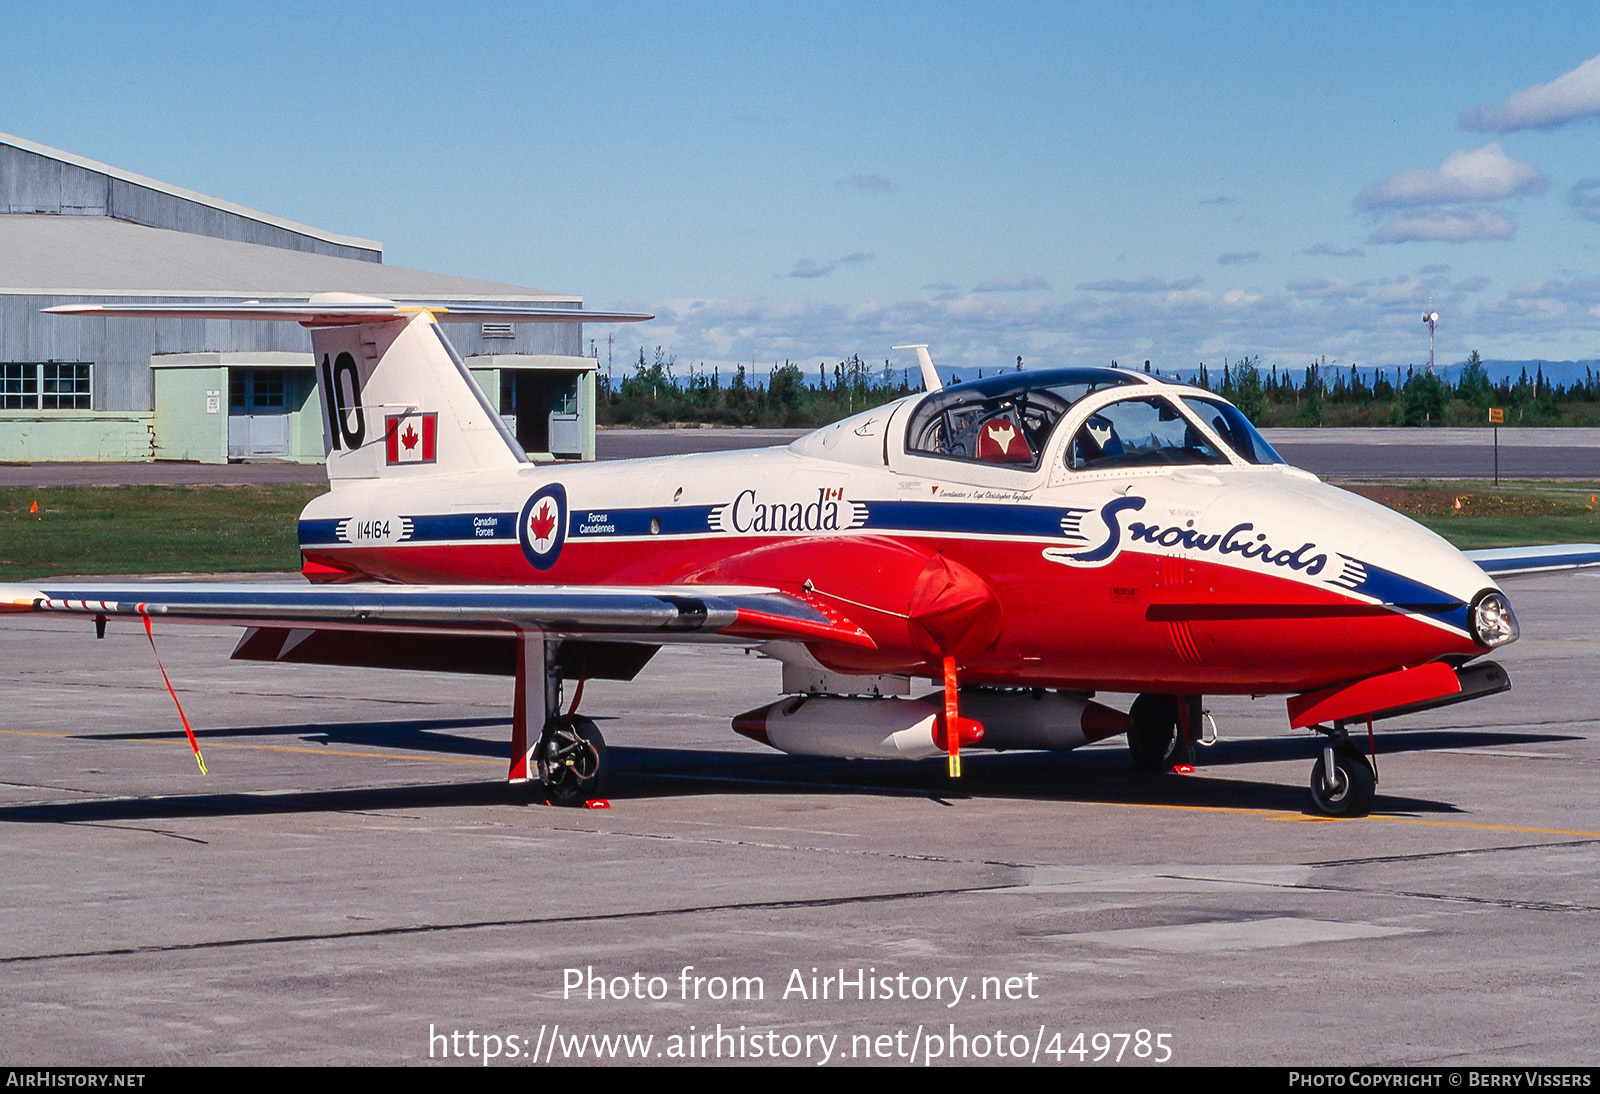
x,y
350,309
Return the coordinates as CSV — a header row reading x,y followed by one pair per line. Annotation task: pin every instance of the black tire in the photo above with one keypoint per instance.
x,y
572,760
1154,743
1357,785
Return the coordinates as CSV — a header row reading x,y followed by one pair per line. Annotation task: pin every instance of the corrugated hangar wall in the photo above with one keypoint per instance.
x,y
35,183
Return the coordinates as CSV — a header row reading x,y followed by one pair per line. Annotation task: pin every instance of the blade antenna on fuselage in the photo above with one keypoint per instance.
x,y
930,375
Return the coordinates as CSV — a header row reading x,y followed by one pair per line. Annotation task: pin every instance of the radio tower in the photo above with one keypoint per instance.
x,y
1430,318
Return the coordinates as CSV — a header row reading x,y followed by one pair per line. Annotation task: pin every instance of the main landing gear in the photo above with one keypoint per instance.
x,y
568,757
1160,738
571,759
1343,781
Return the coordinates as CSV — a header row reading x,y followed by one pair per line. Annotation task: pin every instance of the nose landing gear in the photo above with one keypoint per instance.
x,y
1343,781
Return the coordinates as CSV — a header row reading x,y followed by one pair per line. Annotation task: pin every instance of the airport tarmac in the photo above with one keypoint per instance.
x,y
352,876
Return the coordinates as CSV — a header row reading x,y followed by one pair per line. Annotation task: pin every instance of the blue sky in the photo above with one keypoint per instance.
x,y
1072,183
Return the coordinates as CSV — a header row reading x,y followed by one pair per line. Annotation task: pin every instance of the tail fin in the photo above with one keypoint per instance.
x,y
396,398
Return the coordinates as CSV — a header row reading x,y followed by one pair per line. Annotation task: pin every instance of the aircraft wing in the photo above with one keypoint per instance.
x,y
1510,561
668,613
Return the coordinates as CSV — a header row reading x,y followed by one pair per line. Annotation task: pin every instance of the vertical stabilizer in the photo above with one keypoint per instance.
x,y
397,400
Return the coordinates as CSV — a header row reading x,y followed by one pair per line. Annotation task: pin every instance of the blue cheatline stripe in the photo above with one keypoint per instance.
x,y
681,520
317,532
1399,591
969,518
465,526
451,526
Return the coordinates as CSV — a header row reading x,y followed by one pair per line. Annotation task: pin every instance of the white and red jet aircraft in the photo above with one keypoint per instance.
x,y
1025,540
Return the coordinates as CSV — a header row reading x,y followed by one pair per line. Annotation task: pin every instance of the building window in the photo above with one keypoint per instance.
x,y
267,388
65,387
38,385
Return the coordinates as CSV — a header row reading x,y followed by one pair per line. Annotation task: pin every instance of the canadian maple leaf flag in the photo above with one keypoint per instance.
x,y
411,438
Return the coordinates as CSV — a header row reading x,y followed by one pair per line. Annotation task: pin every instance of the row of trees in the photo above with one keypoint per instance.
x,y
787,396
1334,396
654,393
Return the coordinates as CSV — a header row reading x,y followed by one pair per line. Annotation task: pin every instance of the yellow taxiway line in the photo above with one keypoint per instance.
x,y
260,748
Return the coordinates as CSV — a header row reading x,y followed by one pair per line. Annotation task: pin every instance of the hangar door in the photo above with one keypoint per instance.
x,y
258,413
545,405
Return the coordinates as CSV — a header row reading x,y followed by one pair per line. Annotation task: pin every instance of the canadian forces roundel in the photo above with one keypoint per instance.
x,y
543,527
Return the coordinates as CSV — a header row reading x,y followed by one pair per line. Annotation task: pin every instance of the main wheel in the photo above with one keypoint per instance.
x,y
1349,792
572,759
1154,743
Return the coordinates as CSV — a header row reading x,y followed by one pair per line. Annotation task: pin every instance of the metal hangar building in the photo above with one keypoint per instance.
x,y
76,231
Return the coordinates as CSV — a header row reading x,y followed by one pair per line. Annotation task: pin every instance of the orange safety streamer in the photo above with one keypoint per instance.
x,y
194,744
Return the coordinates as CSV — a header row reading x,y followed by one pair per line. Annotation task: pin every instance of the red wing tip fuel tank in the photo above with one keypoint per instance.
x,y
1008,547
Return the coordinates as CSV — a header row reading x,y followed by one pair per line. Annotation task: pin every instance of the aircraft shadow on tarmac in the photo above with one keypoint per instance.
x,y
420,734
1095,775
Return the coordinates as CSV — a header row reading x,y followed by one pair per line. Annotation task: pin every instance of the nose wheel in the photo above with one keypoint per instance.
x,y
1343,782
571,759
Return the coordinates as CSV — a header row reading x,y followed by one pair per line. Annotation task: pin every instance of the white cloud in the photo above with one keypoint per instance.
x,y
1013,283
1585,198
1145,284
1174,324
1446,226
1485,174
1326,249
1238,258
807,268
1569,97
1544,307
1318,288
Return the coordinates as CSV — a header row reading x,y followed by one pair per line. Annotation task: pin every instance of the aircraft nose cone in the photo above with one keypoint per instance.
x,y
1418,573
1492,621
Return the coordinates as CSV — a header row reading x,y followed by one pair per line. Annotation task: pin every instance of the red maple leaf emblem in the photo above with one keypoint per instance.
x,y
409,437
543,521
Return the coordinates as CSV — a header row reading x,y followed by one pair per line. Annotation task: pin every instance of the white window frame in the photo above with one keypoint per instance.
x,y
31,376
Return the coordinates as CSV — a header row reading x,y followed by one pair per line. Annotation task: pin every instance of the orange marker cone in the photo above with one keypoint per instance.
x,y
1458,504
34,508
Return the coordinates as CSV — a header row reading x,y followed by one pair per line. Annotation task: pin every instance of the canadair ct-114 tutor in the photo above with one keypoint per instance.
x,y
1023,541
